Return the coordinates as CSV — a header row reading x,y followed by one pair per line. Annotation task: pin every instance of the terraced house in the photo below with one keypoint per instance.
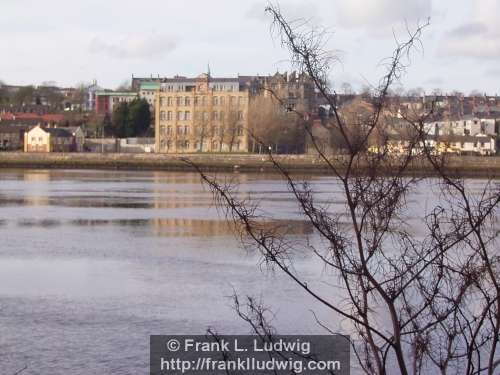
x,y
202,114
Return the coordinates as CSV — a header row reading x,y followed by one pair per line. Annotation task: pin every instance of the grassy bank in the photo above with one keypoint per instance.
x,y
469,165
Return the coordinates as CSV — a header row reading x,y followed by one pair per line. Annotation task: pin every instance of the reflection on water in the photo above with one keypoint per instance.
x,y
92,261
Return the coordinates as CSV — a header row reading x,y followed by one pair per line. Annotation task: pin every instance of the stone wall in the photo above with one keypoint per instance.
x,y
470,165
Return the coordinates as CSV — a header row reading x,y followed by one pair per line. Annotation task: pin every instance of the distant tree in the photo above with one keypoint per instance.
x,y
79,95
49,95
457,93
231,128
346,88
106,124
120,126
201,129
274,127
437,92
139,117
476,93
366,91
124,86
131,119
3,93
417,91
24,96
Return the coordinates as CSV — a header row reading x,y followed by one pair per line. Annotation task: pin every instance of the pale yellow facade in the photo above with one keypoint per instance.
x,y
41,139
37,140
201,118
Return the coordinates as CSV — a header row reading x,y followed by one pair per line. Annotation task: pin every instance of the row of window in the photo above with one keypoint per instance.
x,y
185,145
185,130
203,101
186,115
55,140
182,87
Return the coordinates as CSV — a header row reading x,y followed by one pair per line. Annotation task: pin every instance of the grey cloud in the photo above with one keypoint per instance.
x,y
291,10
134,46
492,73
472,40
437,81
381,13
469,29
475,48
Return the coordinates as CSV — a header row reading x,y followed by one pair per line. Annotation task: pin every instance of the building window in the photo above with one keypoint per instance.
x,y
232,100
162,102
179,130
215,100
214,145
180,115
203,101
221,100
240,115
169,116
169,101
240,130
187,100
187,115
186,144
169,145
240,100
178,101
162,115
215,115
186,129
195,101
205,116
169,130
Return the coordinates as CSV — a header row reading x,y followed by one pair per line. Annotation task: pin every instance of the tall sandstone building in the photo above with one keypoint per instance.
x,y
207,114
201,114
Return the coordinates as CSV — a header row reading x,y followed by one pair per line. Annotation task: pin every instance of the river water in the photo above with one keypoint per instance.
x,y
93,262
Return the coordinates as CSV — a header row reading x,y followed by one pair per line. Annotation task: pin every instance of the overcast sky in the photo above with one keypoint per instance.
x,y
109,40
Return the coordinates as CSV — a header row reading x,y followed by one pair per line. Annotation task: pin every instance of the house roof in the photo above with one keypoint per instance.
x,y
150,86
59,132
56,132
115,93
11,129
49,117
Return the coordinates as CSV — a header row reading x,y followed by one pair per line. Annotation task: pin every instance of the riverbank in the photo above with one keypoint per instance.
x,y
468,165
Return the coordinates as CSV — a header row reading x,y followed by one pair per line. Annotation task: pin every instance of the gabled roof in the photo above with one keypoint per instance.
x,y
56,132
59,132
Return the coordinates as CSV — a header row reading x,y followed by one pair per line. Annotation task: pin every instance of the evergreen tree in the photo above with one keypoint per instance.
x,y
139,117
120,122
131,119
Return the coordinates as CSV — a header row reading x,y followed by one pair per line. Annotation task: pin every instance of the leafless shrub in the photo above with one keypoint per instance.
x,y
418,303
